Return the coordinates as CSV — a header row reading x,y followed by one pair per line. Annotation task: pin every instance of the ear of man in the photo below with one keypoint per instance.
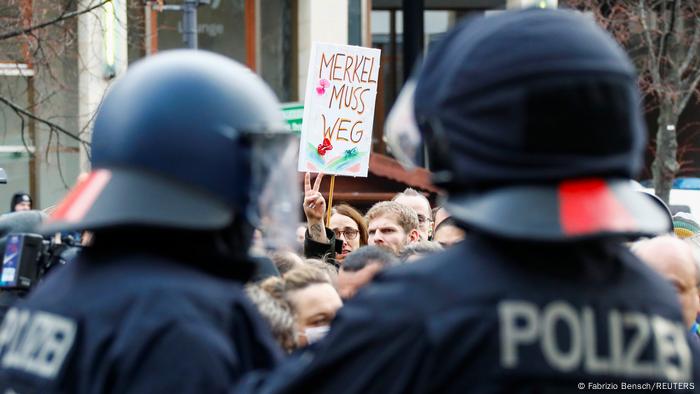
x,y
413,236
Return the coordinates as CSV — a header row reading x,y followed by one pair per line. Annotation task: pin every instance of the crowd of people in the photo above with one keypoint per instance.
x,y
542,269
344,256
349,253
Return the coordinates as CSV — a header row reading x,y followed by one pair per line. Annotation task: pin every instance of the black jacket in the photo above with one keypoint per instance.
x,y
488,316
318,250
137,324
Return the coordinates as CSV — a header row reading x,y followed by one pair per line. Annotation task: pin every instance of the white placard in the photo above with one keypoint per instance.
x,y
341,89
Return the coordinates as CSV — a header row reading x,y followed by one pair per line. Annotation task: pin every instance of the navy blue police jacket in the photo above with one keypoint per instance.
x,y
141,324
492,317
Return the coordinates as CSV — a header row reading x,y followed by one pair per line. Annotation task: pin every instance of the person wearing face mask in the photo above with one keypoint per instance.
x,y
347,228
530,123
312,299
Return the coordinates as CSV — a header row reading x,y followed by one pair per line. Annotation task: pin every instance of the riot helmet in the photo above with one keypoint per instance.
x,y
531,121
187,140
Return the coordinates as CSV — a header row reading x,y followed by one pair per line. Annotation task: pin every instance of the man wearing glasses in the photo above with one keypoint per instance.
x,y
532,125
419,203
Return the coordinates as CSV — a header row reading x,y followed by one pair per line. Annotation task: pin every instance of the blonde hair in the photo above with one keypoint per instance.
x,y
303,277
285,261
296,279
276,311
406,217
410,192
324,266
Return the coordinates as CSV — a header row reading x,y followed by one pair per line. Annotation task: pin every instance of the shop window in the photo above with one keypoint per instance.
x,y
221,29
276,57
257,33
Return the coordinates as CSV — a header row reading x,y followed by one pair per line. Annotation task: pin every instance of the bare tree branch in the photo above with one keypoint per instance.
x,y
693,50
654,71
58,164
669,70
689,90
53,126
58,19
668,30
24,140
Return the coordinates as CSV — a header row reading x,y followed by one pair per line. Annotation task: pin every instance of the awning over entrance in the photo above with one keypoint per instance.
x,y
386,178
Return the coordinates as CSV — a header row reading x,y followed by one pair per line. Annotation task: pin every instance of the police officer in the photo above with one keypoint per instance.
x,y
532,124
189,153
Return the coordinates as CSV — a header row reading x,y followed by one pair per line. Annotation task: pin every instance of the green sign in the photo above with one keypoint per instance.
x,y
293,114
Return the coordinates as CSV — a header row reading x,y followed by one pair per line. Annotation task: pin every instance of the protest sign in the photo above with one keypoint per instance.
x,y
341,88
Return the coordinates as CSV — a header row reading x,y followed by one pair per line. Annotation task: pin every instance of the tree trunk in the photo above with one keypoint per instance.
x,y
665,165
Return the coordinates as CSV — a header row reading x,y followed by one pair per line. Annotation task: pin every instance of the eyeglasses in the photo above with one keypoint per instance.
x,y
422,219
347,233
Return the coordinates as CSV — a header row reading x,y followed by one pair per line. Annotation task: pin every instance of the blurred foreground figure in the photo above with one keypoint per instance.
x,y
532,125
189,155
360,267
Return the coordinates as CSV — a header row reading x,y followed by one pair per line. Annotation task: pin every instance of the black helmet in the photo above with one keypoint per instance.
x,y
532,125
186,140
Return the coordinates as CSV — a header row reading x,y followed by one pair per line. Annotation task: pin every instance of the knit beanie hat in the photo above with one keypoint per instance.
x,y
685,225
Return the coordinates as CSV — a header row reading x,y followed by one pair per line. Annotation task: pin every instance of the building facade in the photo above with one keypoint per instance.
x,y
45,154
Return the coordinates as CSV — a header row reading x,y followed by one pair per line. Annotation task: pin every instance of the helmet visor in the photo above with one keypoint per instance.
x,y
402,133
274,199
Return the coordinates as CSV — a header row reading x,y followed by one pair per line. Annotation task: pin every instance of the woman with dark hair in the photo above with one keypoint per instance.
x,y
347,227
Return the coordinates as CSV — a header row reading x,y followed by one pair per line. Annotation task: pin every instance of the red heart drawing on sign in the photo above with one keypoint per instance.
x,y
324,147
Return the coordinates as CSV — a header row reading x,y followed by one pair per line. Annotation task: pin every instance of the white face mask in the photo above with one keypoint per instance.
x,y
315,334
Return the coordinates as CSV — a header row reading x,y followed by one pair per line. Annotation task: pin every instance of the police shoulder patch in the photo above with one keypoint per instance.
x,y
35,342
